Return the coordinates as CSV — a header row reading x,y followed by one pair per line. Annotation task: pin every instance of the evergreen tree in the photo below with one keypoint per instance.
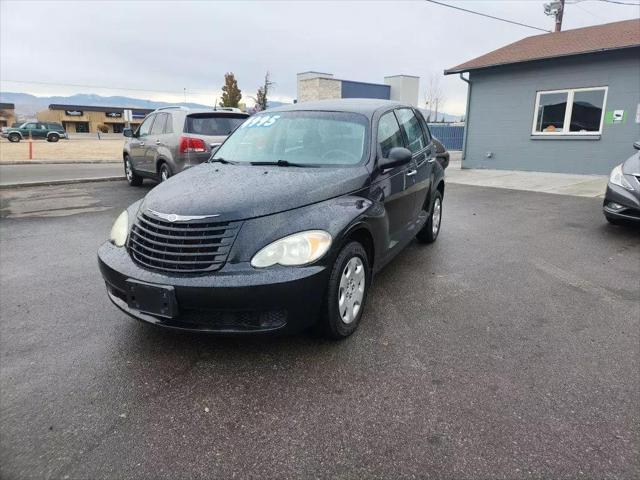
x,y
231,94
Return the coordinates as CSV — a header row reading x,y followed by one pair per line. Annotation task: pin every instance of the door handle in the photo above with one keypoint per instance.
x,y
158,142
141,144
411,173
431,160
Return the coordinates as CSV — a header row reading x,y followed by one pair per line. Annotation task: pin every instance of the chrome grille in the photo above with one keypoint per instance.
x,y
181,247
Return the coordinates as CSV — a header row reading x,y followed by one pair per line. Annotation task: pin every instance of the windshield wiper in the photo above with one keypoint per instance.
x,y
221,160
283,163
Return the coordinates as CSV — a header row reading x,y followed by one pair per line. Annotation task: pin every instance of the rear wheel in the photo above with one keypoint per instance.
x,y
14,137
430,231
164,171
133,178
53,137
347,292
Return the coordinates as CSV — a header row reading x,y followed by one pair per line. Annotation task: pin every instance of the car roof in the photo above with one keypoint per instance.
x,y
364,106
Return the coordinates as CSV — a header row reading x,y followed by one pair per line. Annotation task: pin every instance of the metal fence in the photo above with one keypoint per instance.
x,y
451,136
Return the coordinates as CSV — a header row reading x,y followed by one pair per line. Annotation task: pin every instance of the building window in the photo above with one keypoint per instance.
x,y
117,127
578,111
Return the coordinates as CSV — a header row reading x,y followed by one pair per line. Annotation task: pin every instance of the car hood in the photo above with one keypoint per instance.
x,y
240,192
631,166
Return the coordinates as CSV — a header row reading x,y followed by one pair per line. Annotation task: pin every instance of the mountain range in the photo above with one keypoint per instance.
x,y
28,105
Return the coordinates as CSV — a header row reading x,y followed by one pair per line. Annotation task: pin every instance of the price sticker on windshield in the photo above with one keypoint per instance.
x,y
260,121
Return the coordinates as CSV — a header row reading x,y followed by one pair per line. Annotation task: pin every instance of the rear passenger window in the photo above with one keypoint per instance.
x,y
412,129
168,128
158,125
389,135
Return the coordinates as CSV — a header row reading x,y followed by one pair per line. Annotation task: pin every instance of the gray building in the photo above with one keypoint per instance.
x,y
559,102
324,86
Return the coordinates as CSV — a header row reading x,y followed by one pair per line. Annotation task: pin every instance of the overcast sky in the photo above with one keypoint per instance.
x,y
165,46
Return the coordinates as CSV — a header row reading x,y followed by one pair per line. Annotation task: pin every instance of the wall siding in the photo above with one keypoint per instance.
x,y
502,107
365,90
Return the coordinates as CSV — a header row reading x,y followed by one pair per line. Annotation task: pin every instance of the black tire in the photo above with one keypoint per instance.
x,y
164,172
428,234
14,137
331,323
54,137
133,178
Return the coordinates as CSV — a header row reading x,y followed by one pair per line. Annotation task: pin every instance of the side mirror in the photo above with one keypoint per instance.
x,y
397,156
636,145
127,132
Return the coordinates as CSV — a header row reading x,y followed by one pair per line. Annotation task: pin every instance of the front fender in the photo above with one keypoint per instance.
x,y
338,216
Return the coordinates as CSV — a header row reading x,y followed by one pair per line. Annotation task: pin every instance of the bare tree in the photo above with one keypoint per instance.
x,y
434,97
261,97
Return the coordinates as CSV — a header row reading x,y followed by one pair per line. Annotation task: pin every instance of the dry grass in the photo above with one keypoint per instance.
x,y
64,150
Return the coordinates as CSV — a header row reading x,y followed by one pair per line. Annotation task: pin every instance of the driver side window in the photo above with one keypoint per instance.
x,y
145,128
389,135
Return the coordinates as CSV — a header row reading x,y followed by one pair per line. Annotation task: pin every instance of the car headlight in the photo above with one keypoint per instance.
x,y
120,230
617,178
297,249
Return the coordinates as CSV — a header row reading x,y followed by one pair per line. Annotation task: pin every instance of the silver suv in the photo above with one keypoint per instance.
x,y
174,138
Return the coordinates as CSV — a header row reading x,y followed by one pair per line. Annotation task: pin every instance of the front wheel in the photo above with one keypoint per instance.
x,y
430,231
14,137
347,292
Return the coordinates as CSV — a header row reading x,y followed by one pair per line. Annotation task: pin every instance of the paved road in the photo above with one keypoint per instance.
x,y
508,349
16,174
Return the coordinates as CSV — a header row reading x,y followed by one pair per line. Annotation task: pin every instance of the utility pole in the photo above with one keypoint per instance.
x,y
555,8
559,16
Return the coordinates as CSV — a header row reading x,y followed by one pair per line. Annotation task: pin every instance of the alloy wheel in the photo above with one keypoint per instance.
x,y
351,290
436,216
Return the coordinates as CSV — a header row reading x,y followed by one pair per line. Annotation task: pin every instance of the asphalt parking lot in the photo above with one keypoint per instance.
x,y
508,349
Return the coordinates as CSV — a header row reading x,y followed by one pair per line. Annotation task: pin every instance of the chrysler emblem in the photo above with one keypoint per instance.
x,y
172,217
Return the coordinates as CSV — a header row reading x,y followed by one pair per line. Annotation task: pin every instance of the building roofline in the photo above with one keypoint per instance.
x,y
401,75
453,70
94,108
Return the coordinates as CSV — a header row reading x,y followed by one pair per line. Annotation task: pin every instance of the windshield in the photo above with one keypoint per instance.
x,y
215,125
301,137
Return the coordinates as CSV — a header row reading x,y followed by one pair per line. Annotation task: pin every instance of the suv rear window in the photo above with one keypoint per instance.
x,y
212,124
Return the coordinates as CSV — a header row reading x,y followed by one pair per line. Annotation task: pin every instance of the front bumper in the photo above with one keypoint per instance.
x,y
628,200
234,299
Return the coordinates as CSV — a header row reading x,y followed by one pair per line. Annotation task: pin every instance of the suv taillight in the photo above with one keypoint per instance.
x,y
188,144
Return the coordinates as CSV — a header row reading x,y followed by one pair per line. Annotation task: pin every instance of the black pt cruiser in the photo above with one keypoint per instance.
x,y
286,224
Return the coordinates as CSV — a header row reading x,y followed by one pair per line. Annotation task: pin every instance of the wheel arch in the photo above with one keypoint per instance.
x,y
361,234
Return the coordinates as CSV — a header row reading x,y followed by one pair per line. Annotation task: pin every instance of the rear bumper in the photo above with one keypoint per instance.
x,y
235,299
621,204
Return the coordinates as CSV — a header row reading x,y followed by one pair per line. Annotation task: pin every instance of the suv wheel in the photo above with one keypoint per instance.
x,y
53,137
133,178
164,172
14,137
430,231
347,292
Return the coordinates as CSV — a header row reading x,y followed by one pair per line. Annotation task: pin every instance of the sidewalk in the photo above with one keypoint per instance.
x,y
556,183
51,174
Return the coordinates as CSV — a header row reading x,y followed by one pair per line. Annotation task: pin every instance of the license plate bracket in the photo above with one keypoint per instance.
x,y
150,298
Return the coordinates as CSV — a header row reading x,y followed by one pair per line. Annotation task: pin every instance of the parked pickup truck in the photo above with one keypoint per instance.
x,y
51,131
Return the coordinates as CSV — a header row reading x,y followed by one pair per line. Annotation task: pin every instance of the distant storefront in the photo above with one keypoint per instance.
x,y
87,118
7,114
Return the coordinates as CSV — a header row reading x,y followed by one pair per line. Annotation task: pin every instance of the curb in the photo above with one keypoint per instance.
x,y
59,162
71,181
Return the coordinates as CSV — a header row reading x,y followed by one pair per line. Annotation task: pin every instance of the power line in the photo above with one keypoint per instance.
x,y
621,3
489,16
